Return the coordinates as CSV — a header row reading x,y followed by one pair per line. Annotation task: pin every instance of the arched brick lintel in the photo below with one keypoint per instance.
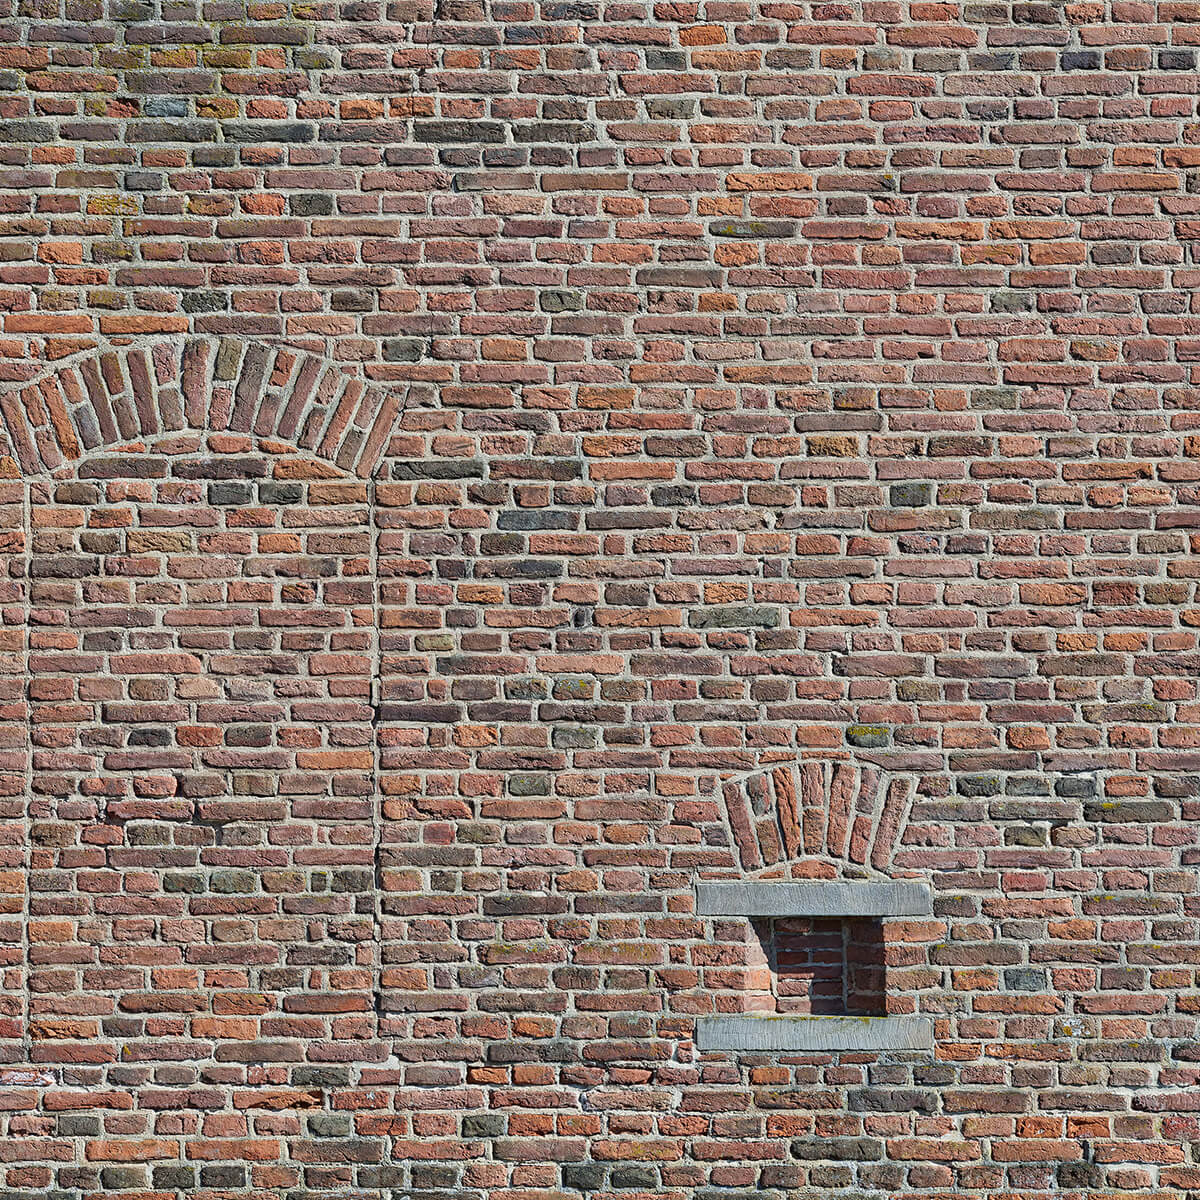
x,y
818,818
215,385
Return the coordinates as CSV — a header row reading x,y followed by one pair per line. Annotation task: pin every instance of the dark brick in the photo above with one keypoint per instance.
x,y
267,131
454,132
910,495
403,349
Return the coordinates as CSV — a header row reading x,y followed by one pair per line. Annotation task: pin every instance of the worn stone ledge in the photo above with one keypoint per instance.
x,y
814,898
770,1033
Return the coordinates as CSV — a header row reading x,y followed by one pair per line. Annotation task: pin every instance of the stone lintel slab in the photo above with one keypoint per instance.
x,y
814,898
794,1034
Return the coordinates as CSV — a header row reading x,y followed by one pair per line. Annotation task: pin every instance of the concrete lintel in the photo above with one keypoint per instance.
x,y
794,1034
814,898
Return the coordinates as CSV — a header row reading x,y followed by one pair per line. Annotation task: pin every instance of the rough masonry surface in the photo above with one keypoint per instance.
x,y
471,472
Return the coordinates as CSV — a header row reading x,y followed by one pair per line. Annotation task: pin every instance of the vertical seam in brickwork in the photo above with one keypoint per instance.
x,y
847,965
377,796
27,799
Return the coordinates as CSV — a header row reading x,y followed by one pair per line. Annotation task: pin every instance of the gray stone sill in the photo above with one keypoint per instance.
x,y
771,1033
814,898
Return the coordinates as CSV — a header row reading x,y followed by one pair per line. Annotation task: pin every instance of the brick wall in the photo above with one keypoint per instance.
x,y
468,474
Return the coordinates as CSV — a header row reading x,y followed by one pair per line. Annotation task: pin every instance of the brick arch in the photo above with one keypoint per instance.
x,y
817,819
134,393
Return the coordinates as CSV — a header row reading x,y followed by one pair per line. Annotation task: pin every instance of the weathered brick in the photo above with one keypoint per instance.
x,y
464,479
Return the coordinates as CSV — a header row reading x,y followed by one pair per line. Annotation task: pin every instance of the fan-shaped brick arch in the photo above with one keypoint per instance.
x,y
817,818
142,392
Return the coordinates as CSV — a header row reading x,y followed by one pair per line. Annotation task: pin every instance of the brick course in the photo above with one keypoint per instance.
x,y
469,471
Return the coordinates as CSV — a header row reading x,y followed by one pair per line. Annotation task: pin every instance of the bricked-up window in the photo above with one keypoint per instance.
x,y
201,654
826,966
826,974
